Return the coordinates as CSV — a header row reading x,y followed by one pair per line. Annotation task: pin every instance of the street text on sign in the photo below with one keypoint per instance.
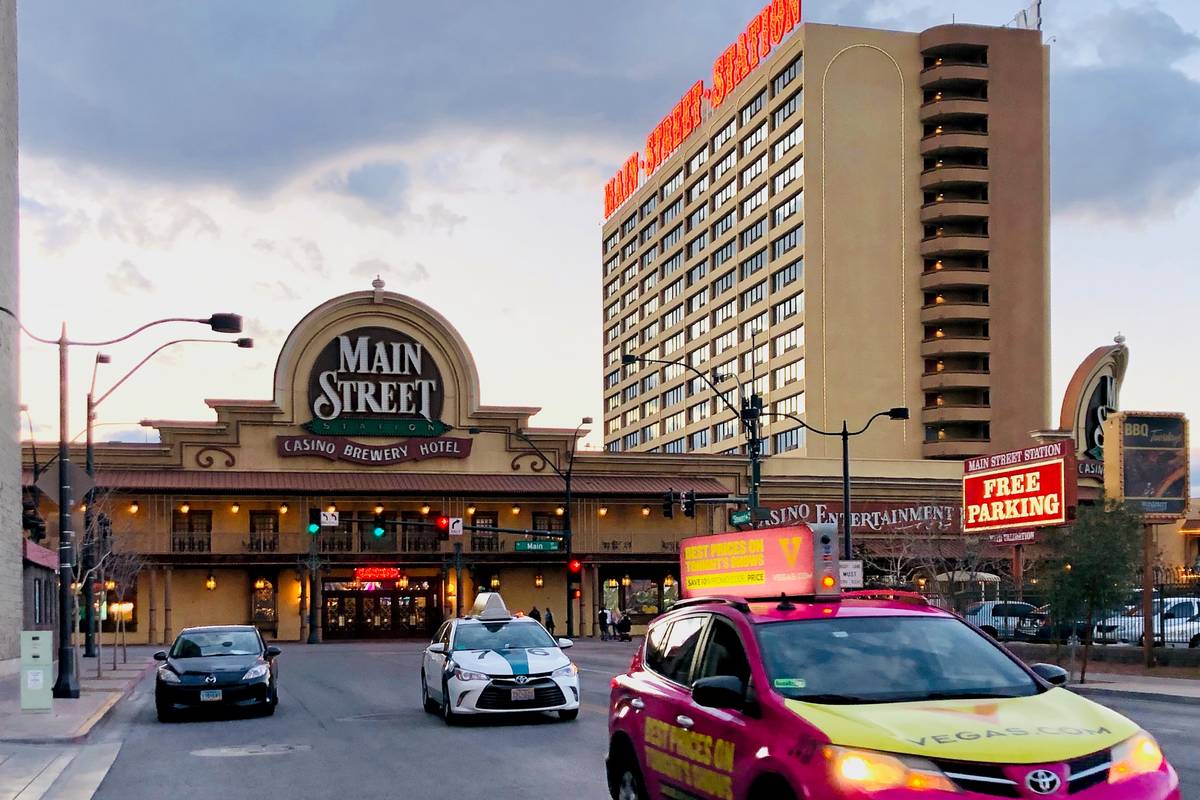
x,y
456,526
852,574
535,546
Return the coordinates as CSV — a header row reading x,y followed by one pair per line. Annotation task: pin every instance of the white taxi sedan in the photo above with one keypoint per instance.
x,y
493,663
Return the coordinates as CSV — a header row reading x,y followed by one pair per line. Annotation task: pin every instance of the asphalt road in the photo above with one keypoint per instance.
x,y
350,724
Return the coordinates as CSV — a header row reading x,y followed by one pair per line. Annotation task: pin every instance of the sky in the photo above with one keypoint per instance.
x,y
182,158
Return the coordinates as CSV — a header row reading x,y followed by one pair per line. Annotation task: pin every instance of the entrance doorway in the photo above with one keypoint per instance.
x,y
380,613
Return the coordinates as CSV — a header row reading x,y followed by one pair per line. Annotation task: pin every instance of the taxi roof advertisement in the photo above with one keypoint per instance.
x,y
759,563
1030,488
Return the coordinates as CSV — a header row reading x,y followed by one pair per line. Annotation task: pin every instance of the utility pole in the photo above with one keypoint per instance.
x,y
66,685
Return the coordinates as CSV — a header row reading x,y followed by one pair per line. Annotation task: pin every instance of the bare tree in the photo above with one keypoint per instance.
x,y
92,539
122,568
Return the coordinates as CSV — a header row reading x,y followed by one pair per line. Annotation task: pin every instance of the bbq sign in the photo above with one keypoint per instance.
x,y
375,382
1021,489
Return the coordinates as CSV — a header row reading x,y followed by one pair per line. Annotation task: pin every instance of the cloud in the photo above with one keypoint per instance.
x,y
302,254
439,217
156,224
127,278
1124,138
415,272
57,227
276,290
381,186
263,334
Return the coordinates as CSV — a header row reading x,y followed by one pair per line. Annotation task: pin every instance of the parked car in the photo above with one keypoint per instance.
x,y
1180,632
1127,627
998,618
1040,626
217,666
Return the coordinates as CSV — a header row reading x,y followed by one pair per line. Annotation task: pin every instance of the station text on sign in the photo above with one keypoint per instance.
x,y
765,31
1027,488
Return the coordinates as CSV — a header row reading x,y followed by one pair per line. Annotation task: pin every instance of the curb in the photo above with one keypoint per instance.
x,y
1131,694
81,732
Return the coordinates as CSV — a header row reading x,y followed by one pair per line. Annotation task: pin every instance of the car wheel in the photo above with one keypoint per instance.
x,y
427,701
274,696
448,715
165,714
771,788
989,630
624,777
568,714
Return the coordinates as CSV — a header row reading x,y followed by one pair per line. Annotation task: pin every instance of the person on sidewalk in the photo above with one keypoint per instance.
x,y
548,621
602,621
624,626
535,615
614,617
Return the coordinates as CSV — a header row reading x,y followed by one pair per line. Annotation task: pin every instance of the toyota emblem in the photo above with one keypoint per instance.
x,y
1043,781
522,679
210,678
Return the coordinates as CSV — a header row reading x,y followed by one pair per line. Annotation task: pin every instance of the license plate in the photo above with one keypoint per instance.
x,y
523,694
210,695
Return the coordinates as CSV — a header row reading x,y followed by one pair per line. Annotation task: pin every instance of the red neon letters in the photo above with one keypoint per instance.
x,y
777,19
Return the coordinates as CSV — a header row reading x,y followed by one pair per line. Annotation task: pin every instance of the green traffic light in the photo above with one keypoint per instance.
x,y
378,531
313,528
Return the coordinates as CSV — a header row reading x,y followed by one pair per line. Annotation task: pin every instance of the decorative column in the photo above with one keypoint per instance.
x,y
302,578
168,633
152,608
315,595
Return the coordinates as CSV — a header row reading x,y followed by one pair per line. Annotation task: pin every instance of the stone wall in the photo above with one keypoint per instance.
x,y
10,453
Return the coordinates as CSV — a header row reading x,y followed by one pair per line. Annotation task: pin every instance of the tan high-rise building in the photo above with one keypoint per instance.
x,y
861,223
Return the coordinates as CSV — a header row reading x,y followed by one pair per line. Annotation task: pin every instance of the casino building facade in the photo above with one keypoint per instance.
x,y
376,414
845,219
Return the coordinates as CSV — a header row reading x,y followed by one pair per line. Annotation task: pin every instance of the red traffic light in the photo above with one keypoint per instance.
x,y
574,566
443,523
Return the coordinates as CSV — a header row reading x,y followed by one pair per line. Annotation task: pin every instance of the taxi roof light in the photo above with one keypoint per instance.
x,y
490,606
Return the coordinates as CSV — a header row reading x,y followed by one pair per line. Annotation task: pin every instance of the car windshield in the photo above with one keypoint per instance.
x,y
202,644
886,660
501,636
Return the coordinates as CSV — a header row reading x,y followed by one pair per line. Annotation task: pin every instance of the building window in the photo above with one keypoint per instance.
x,y
788,341
754,202
629,249
612,379
724,165
787,374
794,137
698,300
696,273
630,440
697,329
671,238
671,264
791,173
788,241
700,411
788,440
648,232
673,290
698,188
613,446
673,343
612,240
791,206
754,233
788,308
724,135
672,317
755,357
610,265
726,252
754,326
649,256
753,264
790,405
629,392
675,422
758,167
726,312
787,109
754,106
696,217
699,439
724,283
698,356
788,75
673,396
649,432
485,542
649,206
674,183
191,532
725,341
675,446
650,331
788,275
724,430
754,139
724,194
754,294
672,211
264,532
628,225
698,160
724,223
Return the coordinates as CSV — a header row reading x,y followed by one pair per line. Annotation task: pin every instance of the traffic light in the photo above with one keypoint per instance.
x,y
379,528
668,504
687,501
31,520
574,567
314,521
104,529
443,527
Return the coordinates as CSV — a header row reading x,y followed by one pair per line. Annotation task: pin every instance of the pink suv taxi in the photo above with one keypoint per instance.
x,y
828,696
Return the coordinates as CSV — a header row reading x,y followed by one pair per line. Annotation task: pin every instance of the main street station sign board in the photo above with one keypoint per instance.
x,y
1148,469
1022,489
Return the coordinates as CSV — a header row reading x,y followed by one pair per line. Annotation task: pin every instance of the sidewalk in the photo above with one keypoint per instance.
x,y
1177,690
70,721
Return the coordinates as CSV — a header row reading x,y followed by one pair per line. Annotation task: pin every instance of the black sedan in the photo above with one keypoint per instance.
x,y
226,666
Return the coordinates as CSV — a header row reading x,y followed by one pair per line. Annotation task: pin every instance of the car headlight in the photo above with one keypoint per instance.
x,y
866,770
467,675
1137,755
257,671
167,675
569,671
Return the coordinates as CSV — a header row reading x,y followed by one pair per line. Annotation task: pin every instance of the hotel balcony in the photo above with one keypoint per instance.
x,y
956,379
955,310
952,414
951,277
955,243
950,71
953,139
953,344
961,448
951,209
950,174
949,106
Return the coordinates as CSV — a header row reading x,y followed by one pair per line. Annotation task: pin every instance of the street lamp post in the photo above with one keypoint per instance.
x,y
566,477
66,684
897,413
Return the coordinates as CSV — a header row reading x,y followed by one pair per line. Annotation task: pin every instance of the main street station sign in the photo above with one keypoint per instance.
x,y
1021,489
375,382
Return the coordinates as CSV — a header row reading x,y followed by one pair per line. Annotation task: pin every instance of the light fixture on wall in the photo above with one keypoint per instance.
x,y
110,584
210,582
425,508
626,581
332,508
235,508
379,508
645,511
402,582
539,581
470,511
495,582
559,510
283,508
516,510
611,583
184,508
133,507
83,506
260,584
668,581
602,511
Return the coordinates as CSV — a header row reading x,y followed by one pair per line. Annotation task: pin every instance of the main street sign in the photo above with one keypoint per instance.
x,y
740,517
1019,490
536,546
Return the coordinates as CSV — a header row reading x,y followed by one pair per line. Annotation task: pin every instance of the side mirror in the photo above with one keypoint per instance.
x,y
273,651
1050,673
161,655
563,644
719,691
436,647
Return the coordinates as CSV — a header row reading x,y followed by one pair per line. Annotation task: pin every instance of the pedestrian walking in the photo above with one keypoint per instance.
x,y
535,615
614,617
602,620
548,621
624,626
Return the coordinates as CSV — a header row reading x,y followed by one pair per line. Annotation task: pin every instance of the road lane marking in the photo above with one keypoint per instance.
x,y
251,750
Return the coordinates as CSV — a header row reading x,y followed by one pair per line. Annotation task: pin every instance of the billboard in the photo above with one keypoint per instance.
x,y
1019,490
1148,469
798,561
